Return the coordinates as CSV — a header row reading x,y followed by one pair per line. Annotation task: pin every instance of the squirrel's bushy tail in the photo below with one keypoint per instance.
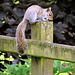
x,y
20,36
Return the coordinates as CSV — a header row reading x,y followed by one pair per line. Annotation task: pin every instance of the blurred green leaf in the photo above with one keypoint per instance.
x,y
16,2
3,21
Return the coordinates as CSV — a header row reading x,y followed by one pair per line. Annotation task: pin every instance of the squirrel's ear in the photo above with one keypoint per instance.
x,y
49,9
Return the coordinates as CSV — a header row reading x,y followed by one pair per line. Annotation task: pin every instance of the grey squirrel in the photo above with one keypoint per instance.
x,y
32,15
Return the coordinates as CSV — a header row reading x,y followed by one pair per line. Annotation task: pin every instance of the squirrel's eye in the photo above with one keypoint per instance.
x,y
49,14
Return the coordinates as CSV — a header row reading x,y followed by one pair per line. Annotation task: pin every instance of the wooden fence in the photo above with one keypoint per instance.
x,y
41,48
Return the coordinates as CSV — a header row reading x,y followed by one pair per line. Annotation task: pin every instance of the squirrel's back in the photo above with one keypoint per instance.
x,y
35,9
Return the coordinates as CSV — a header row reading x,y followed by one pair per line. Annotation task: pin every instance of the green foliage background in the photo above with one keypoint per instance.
x,y
18,69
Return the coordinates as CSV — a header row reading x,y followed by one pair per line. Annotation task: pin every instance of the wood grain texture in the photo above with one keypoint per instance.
x,y
40,49
42,31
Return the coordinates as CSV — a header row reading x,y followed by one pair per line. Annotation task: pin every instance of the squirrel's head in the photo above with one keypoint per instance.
x,y
49,14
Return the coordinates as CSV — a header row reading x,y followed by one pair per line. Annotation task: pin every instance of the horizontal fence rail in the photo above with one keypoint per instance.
x,y
40,49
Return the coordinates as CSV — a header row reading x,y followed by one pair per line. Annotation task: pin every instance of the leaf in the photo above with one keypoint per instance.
x,y
2,15
11,21
55,10
6,6
70,19
60,36
3,73
16,2
58,29
18,12
61,15
1,24
26,60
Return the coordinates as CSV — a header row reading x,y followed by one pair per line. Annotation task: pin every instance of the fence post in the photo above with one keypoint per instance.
x,y
42,31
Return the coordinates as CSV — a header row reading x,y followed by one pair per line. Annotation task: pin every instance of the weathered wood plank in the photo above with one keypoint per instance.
x,y
40,49
54,51
42,31
8,44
